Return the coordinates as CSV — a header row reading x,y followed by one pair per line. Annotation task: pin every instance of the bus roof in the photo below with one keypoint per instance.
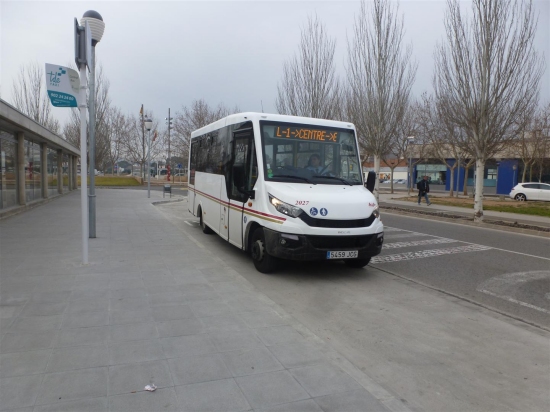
x,y
247,116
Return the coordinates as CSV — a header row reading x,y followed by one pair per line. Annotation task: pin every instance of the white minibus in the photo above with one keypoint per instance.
x,y
284,187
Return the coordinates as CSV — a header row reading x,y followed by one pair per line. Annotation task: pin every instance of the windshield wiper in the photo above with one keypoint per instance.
x,y
336,178
296,177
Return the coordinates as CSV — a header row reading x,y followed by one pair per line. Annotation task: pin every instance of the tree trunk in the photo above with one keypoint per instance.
x,y
524,172
377,181
478,198
452,183
465,185
391,182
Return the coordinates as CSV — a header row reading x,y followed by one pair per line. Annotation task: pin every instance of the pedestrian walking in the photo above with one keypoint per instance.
x,y
423,189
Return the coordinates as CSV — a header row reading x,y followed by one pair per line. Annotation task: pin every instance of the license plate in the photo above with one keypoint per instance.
x,y
348,254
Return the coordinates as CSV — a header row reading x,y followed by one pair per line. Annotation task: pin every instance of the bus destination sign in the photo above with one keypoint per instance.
x,y
302,133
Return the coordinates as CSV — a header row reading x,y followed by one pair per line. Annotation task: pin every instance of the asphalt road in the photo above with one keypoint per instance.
x,y
436,323
509,272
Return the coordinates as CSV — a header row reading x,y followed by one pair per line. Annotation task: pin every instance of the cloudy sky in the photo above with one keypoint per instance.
x,y
165,54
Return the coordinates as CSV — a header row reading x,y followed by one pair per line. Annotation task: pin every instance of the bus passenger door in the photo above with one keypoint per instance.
x,y
239,184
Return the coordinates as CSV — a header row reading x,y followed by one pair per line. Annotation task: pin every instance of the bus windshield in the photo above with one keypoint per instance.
x,y
309,154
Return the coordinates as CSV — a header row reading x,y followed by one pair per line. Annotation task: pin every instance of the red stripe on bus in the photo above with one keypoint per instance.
x,y
282,219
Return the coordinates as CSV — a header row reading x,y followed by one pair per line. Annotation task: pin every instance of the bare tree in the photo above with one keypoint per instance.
x,y
29,95
134,147
542,125
190,119
310,86
380,77
118,129
489,73
446,140
400,144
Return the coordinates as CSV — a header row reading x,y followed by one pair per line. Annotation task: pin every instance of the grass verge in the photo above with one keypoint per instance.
x,y
113,181
508,206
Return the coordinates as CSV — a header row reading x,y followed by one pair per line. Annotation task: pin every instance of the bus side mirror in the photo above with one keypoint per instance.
x,y
371,181
250,193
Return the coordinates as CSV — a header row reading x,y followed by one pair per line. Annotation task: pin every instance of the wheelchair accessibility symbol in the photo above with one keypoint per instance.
x,y
313,211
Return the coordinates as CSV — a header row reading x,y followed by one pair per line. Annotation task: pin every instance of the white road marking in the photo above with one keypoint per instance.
x,y
505,286
428,253
393,229
494,248
192,224
412,234
417,243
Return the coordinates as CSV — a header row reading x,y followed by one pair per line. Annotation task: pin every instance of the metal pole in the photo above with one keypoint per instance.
x,y
83,182
143,140
91,109
149,167
169,158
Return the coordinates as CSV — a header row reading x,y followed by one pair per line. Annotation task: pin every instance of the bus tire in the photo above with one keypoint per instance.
x,y
204,227
263,262
357,263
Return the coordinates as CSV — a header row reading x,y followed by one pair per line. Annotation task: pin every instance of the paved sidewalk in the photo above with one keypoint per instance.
x,y
152,306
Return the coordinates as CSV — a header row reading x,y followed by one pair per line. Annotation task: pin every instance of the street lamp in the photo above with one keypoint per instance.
x,y
410,141
169,123
149,126
97,27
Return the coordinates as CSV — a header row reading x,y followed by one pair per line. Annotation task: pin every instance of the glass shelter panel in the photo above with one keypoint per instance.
x,y
52,172
8,164
65,173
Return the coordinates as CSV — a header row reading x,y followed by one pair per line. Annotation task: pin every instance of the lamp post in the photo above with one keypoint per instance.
x,y
410,141
148,125
97,27
169,123
514,168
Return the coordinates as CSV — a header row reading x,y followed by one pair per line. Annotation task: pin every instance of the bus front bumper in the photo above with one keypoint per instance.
x,y
308,247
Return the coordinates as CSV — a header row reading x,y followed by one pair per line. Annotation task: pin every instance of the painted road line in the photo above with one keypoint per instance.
x,y
506,286
404,235
427,253
417,243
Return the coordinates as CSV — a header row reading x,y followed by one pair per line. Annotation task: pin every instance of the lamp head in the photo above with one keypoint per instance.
x,y
410,139
148,124
97,26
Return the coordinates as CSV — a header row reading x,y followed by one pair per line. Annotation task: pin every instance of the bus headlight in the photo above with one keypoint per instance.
x,y
376,212
285,208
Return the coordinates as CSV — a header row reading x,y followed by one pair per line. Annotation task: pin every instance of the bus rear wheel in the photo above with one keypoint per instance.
x,y
263,262
204,227
357,263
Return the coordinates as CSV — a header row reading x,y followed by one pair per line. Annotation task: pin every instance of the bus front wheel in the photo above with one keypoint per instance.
x,y
263,262
357,263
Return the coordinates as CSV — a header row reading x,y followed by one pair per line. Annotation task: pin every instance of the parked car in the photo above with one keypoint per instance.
x,y
531,191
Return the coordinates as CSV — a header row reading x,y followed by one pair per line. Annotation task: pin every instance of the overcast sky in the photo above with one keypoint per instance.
x,y
165,54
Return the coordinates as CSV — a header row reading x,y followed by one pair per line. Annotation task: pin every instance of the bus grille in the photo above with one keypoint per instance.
x,y
336,224
339,242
